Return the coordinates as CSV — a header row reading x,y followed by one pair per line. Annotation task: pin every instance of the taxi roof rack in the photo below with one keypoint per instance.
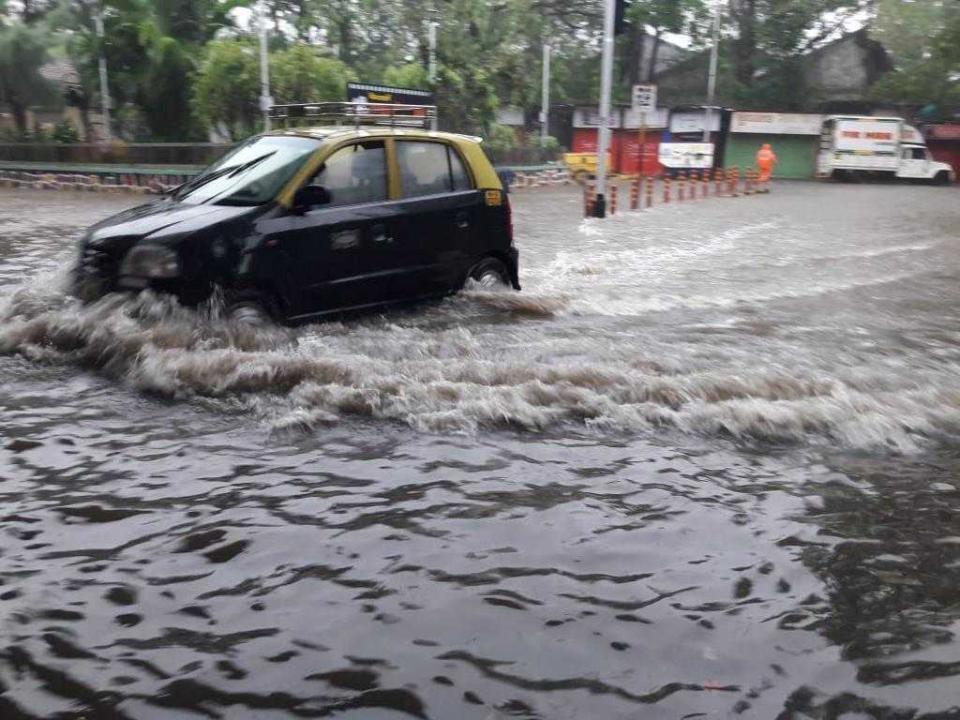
x,y
357,114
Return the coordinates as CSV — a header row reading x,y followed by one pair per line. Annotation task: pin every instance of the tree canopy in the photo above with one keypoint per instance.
x,y
179,68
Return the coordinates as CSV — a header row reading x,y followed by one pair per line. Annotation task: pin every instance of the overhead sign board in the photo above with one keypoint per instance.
x,y
684,156
771,123
644,98
693,121
586,117
656,118
364,93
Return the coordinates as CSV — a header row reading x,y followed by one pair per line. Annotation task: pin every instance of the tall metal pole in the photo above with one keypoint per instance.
x,y
545,103
432,69
712,75
104,86
265,100
432,44
606,83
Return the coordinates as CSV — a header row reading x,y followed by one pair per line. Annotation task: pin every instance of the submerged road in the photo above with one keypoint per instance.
x,y
704,465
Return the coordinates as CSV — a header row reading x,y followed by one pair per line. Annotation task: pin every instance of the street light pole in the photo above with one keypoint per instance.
x,y
545,103
712,75
606,82
104,86
265,100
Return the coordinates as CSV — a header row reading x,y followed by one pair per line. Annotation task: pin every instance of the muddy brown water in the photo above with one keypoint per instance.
x,y
705,465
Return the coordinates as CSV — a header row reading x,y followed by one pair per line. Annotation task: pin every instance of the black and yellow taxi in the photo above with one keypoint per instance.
x,y
300,222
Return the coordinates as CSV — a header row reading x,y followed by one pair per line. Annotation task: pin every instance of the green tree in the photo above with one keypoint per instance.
x,y
410,75
227,87
165,92
23,51
930,78
301,74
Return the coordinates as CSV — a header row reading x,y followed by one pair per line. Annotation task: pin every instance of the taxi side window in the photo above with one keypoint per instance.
x,y
461,181
429,168
355,174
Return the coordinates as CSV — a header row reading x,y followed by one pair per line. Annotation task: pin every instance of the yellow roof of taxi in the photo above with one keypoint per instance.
x,y
330,131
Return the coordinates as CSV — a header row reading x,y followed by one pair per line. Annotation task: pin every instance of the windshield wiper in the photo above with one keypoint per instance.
x,y
251,163
228,171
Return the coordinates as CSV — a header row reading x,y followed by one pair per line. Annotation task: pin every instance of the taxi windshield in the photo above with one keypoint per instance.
x,y
251,174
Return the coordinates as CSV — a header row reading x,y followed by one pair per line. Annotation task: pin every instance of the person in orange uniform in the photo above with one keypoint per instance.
x,y
766,159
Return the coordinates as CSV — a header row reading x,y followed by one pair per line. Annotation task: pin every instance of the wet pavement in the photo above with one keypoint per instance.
x,y
704,465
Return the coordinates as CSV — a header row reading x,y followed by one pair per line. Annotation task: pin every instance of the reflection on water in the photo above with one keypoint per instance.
x,y
703,466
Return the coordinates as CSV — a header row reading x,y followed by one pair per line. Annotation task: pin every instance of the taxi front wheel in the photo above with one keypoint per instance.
x,y
250,309
490,274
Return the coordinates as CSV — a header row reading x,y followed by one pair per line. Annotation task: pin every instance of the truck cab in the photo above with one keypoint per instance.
x,y
916,163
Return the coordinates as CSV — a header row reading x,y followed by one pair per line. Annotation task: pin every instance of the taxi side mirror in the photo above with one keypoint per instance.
x,y
310,196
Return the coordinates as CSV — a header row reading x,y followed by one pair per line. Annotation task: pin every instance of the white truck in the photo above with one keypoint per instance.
x,y
862,147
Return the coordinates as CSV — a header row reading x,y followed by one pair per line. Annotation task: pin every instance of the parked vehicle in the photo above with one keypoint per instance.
x,y
864,147
300,222
582,166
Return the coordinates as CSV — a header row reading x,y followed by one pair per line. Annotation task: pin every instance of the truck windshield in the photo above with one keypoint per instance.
x,y
251,174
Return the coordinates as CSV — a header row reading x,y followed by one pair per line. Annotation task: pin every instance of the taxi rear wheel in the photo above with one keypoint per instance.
x,y
490,274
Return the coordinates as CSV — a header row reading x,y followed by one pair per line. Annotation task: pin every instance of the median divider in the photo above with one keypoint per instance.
x,y
685,187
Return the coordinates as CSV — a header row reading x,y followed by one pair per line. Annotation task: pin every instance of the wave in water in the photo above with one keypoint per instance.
x,y
476,362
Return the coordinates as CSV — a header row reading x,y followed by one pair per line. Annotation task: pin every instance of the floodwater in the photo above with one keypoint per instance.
x,y
705,465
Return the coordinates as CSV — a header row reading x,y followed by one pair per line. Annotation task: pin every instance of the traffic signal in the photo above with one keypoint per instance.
x,y
620,24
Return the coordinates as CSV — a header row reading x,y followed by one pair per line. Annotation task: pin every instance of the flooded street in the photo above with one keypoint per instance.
x,y
704,465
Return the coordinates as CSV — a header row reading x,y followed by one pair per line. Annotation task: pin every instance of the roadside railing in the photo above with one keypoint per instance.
x,y
199,154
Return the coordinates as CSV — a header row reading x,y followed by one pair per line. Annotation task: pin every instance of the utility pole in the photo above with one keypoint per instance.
x,y
712,75
432,45
606,82
432,63
545,102
104,86
265,100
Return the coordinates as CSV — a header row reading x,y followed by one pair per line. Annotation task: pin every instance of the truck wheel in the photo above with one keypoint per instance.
x,y
941,178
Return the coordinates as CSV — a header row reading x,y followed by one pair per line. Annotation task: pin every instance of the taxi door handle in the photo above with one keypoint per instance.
x,y
463,219
381,235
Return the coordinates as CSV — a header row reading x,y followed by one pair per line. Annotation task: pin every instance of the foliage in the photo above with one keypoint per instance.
x,y
227,87
180,67
301,74
769,33
411,75
23,51
65,132
930,77
501,138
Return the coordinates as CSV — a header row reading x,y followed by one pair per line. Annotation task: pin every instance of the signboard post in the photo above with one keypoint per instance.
x,y
606,84
644,100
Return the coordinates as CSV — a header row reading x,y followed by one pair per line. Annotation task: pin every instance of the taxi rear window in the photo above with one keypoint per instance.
x,y
430,168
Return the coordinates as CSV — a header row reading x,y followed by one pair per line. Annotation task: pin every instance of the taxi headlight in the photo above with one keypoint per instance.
x,y
151,261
